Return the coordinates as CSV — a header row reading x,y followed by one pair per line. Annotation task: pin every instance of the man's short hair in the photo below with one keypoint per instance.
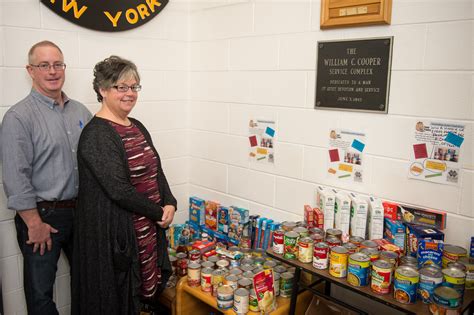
x,y
44,43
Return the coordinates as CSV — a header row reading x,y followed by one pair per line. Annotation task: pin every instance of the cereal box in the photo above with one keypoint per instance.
x,y
197,209
359,208
223,220
239,215
375,218
325,200
194,230
342,213
211,214
394,232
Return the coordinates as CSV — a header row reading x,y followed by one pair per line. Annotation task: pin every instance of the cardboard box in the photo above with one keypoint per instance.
x,y
211,214
223,220
197,209
359,208
394,232
425,217
318,218
325,200
390,211
375,218
414,233
342,212
308,216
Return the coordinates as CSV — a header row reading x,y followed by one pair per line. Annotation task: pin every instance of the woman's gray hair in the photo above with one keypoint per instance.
x,y
109,71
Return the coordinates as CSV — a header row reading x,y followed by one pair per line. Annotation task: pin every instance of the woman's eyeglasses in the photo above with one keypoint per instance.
x,y
124,88
44,66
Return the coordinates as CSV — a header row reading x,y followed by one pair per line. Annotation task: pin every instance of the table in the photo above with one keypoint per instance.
x,y
417,308
192,300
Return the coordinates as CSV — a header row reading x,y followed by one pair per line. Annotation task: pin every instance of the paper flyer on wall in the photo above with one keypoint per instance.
x,y
436,152
261,141
346,155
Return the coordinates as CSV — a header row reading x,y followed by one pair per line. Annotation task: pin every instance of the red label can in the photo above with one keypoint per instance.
x,y
320,255
278,246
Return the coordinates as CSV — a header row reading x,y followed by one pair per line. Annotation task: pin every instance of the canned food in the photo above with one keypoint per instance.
x,y
258,252
279,269
288,226
214,259
408,260
391,257
217,280
246,253
286,284
269,264
225,297
194,255
241,301
351,248
333,241
305,250
259,261
369,244
381,276
452,253
405,284
246,261
231,280
253,301
373,253
278,244
320,255
454,278
317,238
206,279
291,249
334,232
194,274
245,283
338,262
430,278
445,300
235,271
247,267
222,264
182,269
469,264
317,231
257,270
207,264
358,270
302,231
276,283
356,240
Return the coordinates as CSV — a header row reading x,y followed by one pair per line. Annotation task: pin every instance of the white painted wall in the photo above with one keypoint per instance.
x,y
249,58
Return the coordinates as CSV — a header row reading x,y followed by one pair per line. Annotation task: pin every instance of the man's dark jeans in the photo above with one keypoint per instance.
x,y
39,272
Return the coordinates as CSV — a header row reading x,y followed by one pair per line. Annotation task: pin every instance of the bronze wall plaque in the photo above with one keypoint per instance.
x,y
354,74
339,13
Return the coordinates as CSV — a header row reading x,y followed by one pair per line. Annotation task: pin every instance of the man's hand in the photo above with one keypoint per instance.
x,y
39,233
168,216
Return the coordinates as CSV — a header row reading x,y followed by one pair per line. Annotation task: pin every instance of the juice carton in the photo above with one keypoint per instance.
x,y
325,200
342,213
375,218
359,208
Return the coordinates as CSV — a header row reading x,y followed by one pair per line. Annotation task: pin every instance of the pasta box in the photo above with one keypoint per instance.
x,y
415,233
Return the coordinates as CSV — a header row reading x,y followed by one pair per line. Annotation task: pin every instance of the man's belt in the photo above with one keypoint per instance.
x,y
68,204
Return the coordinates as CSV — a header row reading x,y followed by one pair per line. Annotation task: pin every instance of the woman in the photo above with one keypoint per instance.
x,y
124,203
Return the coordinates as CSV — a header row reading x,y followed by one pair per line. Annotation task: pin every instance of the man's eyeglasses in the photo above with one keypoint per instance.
x,y
124,88
44,66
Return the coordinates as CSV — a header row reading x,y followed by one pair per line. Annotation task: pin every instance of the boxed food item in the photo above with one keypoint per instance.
x,y
253,219
263,285
318,218
194,230
358,216
239,215
394,232
415,233
273,227
223,220
429,252
342,212
211,214
204,246
261,222
425,217
308,215
375,218
390,211
325,200
197,209
385,245
179,234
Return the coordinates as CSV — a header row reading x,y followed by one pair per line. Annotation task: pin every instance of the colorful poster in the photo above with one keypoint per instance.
x,y
261,141
346,155
436,152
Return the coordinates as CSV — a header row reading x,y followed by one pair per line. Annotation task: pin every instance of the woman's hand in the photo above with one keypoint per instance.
x,y
168,216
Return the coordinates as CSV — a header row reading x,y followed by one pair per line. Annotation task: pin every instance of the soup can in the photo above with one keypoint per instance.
x,y
373,253
381,277
217,280
278,243
253,301
235,271
321,255
351,248
194,255
225,297
408,260
206,279
358,270
208,264
248,274
259,261
338,262
222,264
334,232
276,283
469,264
317,238
452,253
315,230
302,231
405,284
291,249
194,274
445,300
214,259
305,250
231,280
245,283
430,278
269,264
333,241
288,225
286,284
369,244
356,240
391,257
454,278
241,301
279,269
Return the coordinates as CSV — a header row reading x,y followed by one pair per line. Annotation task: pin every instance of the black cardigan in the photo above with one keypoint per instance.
x,y
105,267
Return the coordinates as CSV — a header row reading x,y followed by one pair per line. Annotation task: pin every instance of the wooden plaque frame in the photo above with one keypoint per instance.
x,y
340,13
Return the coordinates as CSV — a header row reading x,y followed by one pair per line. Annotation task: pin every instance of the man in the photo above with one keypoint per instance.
x,y
39,142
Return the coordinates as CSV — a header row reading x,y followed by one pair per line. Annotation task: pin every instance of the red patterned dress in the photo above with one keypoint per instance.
x,y
143,173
